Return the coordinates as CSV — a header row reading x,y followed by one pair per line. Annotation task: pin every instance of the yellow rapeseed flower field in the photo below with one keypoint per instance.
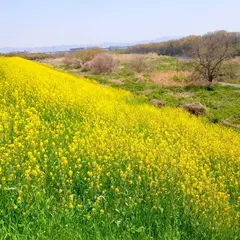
x,y
93,161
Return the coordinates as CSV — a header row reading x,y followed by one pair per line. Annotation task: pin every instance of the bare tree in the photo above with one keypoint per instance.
x,y
211,52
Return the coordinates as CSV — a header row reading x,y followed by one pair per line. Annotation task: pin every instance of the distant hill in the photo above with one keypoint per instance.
x,y
68,47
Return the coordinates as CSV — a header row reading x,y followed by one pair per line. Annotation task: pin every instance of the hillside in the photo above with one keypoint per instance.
x,y
85,161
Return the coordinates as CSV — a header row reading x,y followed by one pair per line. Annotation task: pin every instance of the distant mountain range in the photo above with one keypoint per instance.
x,y
68,47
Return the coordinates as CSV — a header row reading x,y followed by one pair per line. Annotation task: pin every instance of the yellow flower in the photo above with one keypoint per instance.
x,y
70,172
89,173
50,120
19,199
71,197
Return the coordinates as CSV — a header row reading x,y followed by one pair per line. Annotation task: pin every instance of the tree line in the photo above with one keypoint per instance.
x,y
185,46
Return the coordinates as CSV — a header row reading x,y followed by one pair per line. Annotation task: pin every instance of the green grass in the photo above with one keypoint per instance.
x,y
170,64
223,102
236,70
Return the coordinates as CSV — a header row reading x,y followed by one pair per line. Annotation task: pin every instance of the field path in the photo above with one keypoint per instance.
x,y
230,84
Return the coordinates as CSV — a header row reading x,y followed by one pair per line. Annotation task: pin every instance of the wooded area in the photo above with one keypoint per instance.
x,y
183,46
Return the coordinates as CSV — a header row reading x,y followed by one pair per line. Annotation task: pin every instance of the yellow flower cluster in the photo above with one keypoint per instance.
x,y
72,145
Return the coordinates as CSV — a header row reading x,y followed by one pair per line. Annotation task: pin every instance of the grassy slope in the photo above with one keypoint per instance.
x,y
84,161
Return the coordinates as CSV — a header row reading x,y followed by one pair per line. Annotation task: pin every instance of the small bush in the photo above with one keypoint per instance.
x,y
140,64
103,63
76,63
89,54
67,58
70,61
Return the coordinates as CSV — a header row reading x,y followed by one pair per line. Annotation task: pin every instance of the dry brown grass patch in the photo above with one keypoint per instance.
x,y
146,92
140,77
236,59
165,78
53,61
132,56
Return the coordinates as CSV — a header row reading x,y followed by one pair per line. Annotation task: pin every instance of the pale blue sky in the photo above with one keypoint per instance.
x,y
30,23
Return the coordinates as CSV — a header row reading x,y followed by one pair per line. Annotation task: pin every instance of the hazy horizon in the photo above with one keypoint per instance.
x,y
30,24
161,38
